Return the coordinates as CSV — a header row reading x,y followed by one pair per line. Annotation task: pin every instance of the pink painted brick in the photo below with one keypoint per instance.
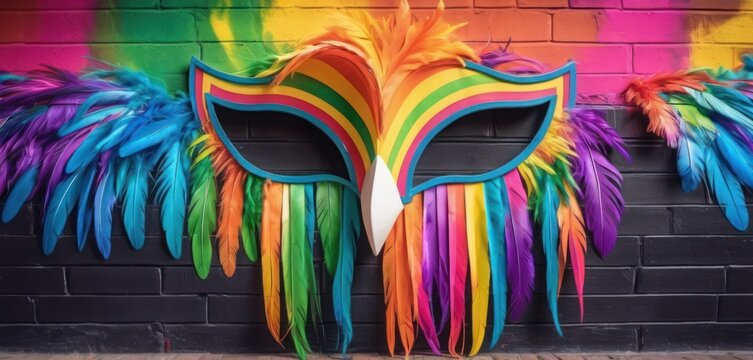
x,y
542,3
46,26
494,3
602,89
31,57
590,59
613,26
648,59
595,4
688,4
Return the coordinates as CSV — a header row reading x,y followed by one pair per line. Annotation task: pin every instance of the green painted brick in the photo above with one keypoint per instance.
x,y
245,25
234,58
145,26
215,3
154,59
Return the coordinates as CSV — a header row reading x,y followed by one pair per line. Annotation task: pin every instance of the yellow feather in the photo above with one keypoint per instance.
x,y
478,260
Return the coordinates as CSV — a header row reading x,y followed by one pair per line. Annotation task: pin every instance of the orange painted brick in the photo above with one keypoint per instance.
x,y
689,4
595,4
542,3
494,3
501,25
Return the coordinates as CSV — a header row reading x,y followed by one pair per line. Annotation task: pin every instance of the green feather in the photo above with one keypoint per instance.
x,y
328,214
202,215
251,216
296,269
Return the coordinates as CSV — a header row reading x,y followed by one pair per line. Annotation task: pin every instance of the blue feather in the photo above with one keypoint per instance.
x,y
550,238
20,193
310,213
736,155
689,160
90,119
727,190
711,103
63,199
351,230
134,201
85,211
104,199
172,193
149,135
89,149
496,209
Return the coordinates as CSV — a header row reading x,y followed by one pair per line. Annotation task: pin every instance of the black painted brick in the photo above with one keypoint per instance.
x,y
183,280
627,252
577,338
645,220
686,337
598,281
16,309
121,309
658,189
736,308
697,250
667,280
19,225
225,338
703,220
82,338
238,309
651,158
740,279
32,280
113,280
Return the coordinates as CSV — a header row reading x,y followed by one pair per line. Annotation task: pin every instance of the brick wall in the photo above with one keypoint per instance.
x,y
680,277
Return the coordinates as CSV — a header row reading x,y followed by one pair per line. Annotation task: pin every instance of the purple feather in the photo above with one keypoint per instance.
x,y
430,255
509,62
600,182
443,252
519,241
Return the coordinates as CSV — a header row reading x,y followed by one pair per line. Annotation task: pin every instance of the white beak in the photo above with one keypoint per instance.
x,y
380,204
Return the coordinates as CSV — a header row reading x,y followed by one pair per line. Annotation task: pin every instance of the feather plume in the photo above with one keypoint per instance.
x,y
328,219
296,260
134,201
518,239
270,238
172,193
63,200
202,213
495,194
398,297
443,252
104,200
572,232
458,265
343,277
230,219
478,258
727,190
85,211
430,257
251,216
545,212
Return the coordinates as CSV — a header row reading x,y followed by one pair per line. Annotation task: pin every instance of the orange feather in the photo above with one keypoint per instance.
x,y
270,255
230,218
573,233
398,296
414,235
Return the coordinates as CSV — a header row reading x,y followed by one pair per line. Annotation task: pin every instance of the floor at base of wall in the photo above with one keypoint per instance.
x,y
490,356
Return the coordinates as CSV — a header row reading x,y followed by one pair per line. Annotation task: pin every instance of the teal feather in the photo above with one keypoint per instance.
x,y
104,199
135,192
20,193
736,155
310,213
149,135
85,212
727,190
102,98
711,103
89,149
496,209
689,160
550,237
62,202
91,119
172,193
351,230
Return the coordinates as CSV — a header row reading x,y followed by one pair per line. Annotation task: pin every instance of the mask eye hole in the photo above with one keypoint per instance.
x,y
280,143
479,142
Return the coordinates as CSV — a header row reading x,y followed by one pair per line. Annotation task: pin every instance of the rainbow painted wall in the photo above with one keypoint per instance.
x,y
612,40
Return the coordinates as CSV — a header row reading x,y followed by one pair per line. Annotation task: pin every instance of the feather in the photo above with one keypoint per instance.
x,y
430,257
572,232
85,211
478,258
310,223
343,278
737,157
296,260
328,218
202,214
689,161
518,240
20,193
62,202
421,301
546,215
398,299
458,264
270,255
104,200
229,222
509,62
172,193
599,179
443,252
310,214
496,211
251,216
134,201
727,190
